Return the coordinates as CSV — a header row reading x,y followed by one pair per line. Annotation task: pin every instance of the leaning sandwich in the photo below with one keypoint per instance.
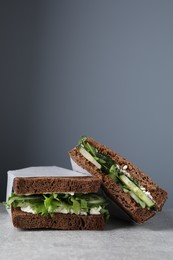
x,y
125,184
54,198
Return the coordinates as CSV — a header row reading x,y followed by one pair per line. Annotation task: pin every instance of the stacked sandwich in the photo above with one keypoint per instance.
x,y
55,198
124,183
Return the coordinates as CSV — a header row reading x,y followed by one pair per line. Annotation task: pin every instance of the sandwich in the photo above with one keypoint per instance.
x,y
55,200
123,183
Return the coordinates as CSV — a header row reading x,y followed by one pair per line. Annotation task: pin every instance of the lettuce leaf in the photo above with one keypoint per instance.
x,y
48,204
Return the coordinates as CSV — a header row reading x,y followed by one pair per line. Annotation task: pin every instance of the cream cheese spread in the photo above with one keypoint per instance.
x,y
93,211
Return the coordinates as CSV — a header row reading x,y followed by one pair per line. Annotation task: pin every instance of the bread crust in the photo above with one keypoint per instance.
x,y
40,185
121,198
60,221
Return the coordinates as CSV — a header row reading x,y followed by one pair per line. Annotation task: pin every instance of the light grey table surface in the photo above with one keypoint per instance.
x,y
120,240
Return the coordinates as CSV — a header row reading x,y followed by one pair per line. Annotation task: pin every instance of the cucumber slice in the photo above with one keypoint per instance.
x,y
94,200
142,204
89,157
139,193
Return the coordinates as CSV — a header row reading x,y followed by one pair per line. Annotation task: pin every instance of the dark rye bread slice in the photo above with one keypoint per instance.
x,y
121,198
25,220
40,185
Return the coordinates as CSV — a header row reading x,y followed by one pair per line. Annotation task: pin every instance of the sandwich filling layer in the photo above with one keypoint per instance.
x,y
66,203
119,175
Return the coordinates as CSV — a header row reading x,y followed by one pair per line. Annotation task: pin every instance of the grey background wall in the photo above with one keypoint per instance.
x,y
100,68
